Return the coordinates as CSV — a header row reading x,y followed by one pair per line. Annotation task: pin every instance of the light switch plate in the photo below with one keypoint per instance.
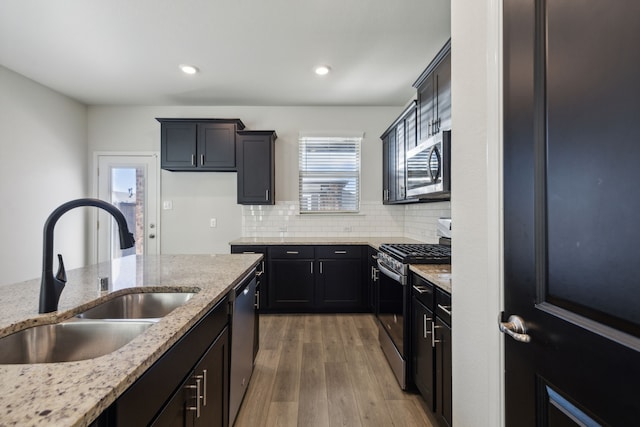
x,y
167,205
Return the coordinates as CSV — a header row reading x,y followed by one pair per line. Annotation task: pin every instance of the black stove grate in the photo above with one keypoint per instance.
x,y
418,253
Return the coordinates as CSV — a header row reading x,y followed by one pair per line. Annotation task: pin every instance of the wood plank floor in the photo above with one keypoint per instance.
x,y
325,370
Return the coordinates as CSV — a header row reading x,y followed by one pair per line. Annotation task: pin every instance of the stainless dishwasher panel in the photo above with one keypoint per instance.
x,y
242,336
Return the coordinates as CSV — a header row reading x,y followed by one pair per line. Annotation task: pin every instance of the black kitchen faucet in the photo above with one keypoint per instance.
x,y
51,287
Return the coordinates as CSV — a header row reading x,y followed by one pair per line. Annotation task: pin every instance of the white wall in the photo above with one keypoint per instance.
x,y
43,163
197,196
476,213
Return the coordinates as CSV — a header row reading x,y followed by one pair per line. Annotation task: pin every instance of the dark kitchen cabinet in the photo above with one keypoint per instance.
x,y
423,344
395,142
166,394
321,278
339,278
202,400
434,95
431,347
199,144
256,167
291,278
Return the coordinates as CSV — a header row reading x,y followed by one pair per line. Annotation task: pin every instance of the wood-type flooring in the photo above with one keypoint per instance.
x,y
325,370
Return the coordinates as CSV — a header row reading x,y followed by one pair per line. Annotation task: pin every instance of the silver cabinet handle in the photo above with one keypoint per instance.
x,y
340,252
433,334
515,328
446,309
202,378
266,194
293,252
425,320
196,408
311,267
193,160
248,252
320,267
421,289
257,303
201,159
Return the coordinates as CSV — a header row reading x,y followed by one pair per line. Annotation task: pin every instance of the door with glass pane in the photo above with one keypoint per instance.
x,y
130,183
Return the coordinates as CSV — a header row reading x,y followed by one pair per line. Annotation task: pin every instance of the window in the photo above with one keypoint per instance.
x,y
329,174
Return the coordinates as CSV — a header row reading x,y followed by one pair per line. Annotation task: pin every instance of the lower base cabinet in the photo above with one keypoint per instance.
x,y
202,398
431,347
187,386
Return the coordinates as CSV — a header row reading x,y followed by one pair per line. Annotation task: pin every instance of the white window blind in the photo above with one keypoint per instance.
x,y
329,174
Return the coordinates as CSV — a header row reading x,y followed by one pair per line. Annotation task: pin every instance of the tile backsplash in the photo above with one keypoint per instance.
x,y
416,221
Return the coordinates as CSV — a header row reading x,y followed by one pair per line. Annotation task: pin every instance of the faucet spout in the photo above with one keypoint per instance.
x,y
51,286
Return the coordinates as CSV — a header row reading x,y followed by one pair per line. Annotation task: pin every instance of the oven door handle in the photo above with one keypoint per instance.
x,y
393,275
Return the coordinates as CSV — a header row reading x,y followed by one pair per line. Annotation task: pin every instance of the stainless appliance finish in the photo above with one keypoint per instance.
x,y
428,168
242,340
393,300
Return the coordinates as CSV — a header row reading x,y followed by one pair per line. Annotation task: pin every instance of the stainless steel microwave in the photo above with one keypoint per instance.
x,y
429,168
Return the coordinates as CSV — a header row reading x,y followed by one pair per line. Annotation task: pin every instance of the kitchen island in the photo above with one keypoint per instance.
x,y
76,393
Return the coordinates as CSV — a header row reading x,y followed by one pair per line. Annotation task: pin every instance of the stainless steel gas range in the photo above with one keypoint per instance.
x,y
393,299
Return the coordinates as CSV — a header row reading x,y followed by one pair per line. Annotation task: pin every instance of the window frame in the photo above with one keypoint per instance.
x,y
336,138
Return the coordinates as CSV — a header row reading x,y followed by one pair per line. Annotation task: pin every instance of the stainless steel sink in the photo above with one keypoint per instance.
x,y
147,305
68,341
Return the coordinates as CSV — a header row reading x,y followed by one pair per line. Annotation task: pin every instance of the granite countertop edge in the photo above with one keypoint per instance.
x,y
438,274
76,393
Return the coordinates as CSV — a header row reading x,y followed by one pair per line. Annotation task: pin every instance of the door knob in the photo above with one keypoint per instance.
x,y
515,328
152,236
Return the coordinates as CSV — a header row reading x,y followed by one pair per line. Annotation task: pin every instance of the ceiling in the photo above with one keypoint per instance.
x,y
249,52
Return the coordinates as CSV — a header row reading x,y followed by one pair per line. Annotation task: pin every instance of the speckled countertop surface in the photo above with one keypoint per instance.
x,y
438,274
374,242
75,393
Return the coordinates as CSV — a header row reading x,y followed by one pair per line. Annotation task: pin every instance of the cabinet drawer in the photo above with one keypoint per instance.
x,y
424,291
248,249
291,252
443,306
345,251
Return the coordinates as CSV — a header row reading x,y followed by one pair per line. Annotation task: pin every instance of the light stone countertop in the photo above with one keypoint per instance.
x,y
75,393
374,242
438,274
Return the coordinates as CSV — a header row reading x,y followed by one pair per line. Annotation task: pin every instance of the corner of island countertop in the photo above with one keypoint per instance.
x,y
76,393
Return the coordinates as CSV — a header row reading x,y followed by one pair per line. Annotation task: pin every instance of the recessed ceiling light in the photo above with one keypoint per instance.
x,y
322,70
188,69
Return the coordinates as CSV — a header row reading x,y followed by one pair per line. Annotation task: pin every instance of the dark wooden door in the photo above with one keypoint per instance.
x,y
339,285
423,354
216,146
291,285
442,75
256,168
571,211
178,145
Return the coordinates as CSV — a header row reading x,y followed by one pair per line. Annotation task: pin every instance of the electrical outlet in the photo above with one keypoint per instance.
x,y
213,223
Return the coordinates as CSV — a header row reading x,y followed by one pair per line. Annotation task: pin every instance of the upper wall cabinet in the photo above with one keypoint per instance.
x,y
434,95
199,144
396,141
256,167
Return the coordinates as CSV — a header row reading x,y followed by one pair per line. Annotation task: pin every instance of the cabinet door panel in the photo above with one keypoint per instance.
x,y
443,371
443,93
255,168
339,284
425,108
215,411
216,146
178,145
423,353
174,413
291,284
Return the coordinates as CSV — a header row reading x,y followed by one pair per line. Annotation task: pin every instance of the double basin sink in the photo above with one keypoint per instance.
x,y
95,332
